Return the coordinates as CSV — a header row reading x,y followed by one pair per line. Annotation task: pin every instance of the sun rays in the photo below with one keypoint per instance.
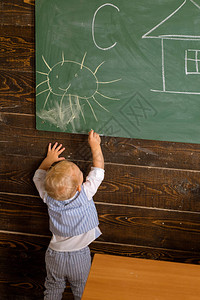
x,y
75,85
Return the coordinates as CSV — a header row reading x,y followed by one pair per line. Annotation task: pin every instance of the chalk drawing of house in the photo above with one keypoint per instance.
x,y
180,49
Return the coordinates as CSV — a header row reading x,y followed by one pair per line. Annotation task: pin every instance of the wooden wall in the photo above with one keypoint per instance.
x,y
148,204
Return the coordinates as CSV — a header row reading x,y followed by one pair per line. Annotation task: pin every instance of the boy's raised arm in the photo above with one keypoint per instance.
x,y
94,141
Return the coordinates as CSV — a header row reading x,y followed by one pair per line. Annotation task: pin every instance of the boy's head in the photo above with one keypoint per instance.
x,y
63,180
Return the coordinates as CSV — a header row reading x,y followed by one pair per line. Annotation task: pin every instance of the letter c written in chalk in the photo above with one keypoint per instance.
x,y
93,21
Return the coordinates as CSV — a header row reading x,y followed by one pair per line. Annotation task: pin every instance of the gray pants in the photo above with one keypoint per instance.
x,y
73,266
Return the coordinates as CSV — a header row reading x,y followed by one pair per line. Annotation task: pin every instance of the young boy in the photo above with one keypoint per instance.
x,y
72,217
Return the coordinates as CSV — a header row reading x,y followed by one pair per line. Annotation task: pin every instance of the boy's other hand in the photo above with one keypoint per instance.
x,y
53,154
94,139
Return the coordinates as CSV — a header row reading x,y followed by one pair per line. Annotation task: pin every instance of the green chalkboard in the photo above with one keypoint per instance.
x,y
126,68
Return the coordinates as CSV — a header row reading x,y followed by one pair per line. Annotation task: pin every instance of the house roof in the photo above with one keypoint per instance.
x,y
182,23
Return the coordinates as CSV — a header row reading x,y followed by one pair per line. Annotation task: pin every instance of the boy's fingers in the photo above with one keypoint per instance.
x,y
61,158
96,136
61,150
58,148
49,147
54,146
91,132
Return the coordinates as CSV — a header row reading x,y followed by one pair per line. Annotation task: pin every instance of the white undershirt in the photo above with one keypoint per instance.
x,y
74,243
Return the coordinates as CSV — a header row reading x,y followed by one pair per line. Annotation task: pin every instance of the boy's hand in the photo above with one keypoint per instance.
x,y
94,139
54,152
52,156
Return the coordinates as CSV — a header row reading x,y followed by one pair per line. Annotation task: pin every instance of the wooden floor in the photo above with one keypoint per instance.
x,y
148,204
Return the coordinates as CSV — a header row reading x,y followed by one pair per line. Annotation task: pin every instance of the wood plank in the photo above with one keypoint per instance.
x,y
17,53
31,2
126,185
16,13
24,214
151,187
17,97
17,35
146,252
26,34
150,227
16,93
116,278
120,224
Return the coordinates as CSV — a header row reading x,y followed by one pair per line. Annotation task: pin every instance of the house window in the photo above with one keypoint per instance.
x,y
192,61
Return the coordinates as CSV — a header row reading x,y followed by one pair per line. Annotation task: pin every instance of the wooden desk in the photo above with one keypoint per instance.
x,y
123,278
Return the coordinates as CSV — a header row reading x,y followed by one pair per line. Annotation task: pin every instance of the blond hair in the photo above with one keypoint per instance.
x,y
62,180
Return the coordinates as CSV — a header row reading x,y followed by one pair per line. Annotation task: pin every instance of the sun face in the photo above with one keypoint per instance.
x,y
68,77
76,85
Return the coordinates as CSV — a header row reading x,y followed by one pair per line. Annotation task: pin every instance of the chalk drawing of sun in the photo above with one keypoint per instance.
x,y
75,85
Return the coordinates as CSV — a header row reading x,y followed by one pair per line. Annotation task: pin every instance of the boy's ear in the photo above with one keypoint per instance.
x,y
79,188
